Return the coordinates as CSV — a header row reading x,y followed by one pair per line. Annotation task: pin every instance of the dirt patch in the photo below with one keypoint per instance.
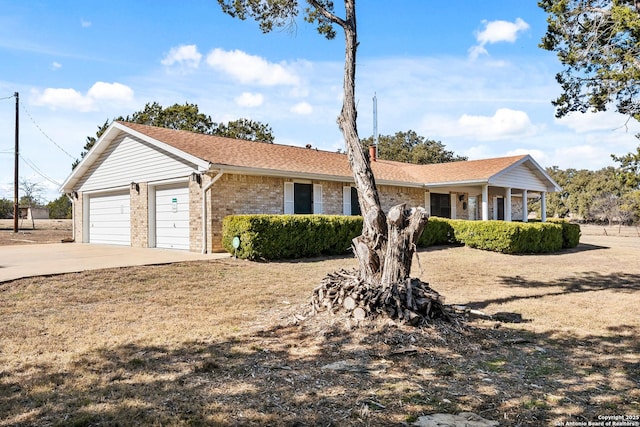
x,y
224,343
45,231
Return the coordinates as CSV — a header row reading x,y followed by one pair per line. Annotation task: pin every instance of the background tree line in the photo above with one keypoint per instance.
x,y
598,44
605,196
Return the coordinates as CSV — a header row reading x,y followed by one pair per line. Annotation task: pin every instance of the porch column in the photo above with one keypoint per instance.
x,y
543,206
525,208
507,204
485,202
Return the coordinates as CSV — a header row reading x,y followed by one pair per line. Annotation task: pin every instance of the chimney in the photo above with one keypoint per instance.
x,y
372,153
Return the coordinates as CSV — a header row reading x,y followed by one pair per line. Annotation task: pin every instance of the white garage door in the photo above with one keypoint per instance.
x,y
109,219
172,217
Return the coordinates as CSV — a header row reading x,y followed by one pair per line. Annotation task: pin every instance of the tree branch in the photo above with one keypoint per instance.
x,y
330,16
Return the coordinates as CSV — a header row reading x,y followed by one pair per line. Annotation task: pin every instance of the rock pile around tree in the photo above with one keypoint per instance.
x,y
412,301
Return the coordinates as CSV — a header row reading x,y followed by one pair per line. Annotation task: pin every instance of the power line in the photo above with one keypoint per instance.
x,y
37,170
45,135
7,97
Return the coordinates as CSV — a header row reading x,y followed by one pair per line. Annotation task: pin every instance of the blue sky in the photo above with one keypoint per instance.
x,y
467,73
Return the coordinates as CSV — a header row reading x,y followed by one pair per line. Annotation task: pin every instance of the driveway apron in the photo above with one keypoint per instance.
x,y
21,261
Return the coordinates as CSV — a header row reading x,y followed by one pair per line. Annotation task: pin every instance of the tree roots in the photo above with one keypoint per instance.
x,y
411,301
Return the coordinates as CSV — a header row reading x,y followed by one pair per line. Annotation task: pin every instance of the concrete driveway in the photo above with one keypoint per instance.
x,y
38,260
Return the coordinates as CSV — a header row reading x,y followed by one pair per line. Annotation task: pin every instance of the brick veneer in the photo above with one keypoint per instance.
x,y
139,212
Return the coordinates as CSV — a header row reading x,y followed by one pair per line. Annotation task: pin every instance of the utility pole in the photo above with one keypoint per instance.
x,y
16,209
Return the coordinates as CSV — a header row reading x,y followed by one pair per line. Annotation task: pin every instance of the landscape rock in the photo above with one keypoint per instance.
x,y
463,419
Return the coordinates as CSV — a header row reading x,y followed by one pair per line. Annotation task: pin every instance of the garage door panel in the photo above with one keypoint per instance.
x,y
109,219
172,217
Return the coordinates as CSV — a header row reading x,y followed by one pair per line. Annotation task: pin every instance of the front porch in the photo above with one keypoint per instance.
x,y
484,203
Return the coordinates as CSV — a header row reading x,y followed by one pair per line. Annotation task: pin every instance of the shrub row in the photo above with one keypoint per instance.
x,y
289,236
299,236
501,236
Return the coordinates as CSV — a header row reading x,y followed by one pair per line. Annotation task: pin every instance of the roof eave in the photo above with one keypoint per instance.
x,y
452,183
214,167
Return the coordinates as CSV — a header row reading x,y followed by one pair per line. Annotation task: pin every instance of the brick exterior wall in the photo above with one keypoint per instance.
x,y
391,196
462,206
195,213
241,194
139,212
245,194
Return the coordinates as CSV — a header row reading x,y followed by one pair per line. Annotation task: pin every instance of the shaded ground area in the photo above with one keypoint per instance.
x,y
223,343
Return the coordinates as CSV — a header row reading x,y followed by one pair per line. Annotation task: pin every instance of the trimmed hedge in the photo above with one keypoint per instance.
x,y
501,236
570,233
289,236
299,236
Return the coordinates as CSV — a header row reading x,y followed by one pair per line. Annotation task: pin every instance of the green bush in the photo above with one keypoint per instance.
x,y
570,233
500,236
438,231
289,236
509,237
298,236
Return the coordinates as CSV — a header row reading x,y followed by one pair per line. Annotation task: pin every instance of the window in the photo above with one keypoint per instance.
x,y
441,205
300,198
350,204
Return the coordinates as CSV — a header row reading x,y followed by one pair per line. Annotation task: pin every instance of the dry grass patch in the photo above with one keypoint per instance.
x,y
45,231
217,343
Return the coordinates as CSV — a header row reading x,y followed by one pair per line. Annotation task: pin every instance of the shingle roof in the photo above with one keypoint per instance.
x,y
275,157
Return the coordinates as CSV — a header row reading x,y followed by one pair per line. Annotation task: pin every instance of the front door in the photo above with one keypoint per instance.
x,y
473,208
500,215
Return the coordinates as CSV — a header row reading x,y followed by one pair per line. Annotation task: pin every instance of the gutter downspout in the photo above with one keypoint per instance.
x,y
204,209
73,215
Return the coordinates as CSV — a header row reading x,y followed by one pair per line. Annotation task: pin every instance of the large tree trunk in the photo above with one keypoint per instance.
x,y
387,244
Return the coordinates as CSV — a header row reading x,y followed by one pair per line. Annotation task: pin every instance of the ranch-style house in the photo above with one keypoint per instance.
x,y
146,186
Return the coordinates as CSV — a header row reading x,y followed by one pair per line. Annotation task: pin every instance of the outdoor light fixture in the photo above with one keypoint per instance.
x,y
75,194
461,197
135,186
195,177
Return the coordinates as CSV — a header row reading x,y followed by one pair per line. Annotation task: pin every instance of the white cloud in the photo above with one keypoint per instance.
x,y
602,121
56,66
501,31
476,51
185,56
251,69
110,92
71,99
84,23
590,157
63,98
496,32
302,108
505,123
248,99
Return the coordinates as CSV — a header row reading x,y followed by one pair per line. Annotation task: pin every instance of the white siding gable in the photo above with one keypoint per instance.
x,y
129,159
520,176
